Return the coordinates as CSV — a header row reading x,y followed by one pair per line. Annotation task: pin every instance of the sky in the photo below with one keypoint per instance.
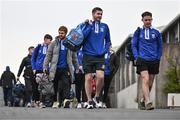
x,y
24,23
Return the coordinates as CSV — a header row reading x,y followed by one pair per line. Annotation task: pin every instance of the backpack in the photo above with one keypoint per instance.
x,y
37,50
75,38
129,52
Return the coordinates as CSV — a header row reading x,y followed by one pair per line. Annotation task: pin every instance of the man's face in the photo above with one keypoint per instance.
x,y
47,41
31,51
62,35
97,16
147,20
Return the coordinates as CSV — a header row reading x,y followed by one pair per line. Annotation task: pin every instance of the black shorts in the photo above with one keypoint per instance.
x,y
151,66
92,63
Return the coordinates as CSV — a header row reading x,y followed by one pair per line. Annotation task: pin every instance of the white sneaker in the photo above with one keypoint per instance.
x,y
85,104
149,105
97,101
33,104
41,105
28,105
90,105
55,105
79,106
104,105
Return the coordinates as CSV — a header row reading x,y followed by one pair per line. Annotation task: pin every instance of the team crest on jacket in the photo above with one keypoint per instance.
x,y
153,36
101,29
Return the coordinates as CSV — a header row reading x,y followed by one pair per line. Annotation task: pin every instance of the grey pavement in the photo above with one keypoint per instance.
x,y
10,113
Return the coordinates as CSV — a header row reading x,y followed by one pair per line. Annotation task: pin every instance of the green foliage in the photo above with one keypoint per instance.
x,y
173,75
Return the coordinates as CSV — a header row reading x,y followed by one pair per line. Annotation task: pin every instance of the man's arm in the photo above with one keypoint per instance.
x,y
107,40
14,78
75,61
48,57
21,67
1,80
34,56
134,43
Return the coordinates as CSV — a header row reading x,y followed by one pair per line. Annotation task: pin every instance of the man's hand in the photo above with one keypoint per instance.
x,y
17,78
45,71
88,21
81,68
34,72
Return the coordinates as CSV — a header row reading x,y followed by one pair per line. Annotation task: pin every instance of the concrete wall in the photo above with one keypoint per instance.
x,y
172,49
126,98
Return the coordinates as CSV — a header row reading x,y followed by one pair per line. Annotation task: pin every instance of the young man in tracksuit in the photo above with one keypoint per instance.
x,y
61,61
80,81
37,61
147,50
7,81
28,77
96,45
111,67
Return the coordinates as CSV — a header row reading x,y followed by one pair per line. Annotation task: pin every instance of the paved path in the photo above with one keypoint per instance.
x,y
85,114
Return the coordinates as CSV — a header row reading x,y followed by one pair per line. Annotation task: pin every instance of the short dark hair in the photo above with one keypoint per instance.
x,y
96,9
47,36
146,13
31,47
63,28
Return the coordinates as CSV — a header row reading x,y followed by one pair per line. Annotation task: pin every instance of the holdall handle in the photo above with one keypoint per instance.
x,y
18,81
81,26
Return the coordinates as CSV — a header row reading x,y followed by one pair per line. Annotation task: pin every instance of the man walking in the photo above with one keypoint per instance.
x,y
37,61
147,50
28,75
7,81
96,45
61,61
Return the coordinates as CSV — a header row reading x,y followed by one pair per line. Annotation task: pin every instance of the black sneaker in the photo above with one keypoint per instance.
x,y
142,105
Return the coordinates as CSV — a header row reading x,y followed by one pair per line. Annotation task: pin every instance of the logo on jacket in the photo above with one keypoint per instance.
x,y
101,29
153,36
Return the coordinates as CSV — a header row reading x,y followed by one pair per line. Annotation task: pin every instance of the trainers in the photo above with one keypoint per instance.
x,y
9,104
90,105
142,104
79,106
37,103
98,103
66,103
104,105
85,104
149,106
55,105
41,105
28,104
33,104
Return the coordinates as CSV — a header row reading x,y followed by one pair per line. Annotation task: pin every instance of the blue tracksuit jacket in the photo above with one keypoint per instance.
x,y
148,45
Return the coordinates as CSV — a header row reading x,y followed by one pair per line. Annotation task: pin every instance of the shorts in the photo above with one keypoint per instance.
x,y
92,63
151,66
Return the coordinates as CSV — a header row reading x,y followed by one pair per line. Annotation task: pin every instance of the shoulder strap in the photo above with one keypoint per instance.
x,y
37,50
138,30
